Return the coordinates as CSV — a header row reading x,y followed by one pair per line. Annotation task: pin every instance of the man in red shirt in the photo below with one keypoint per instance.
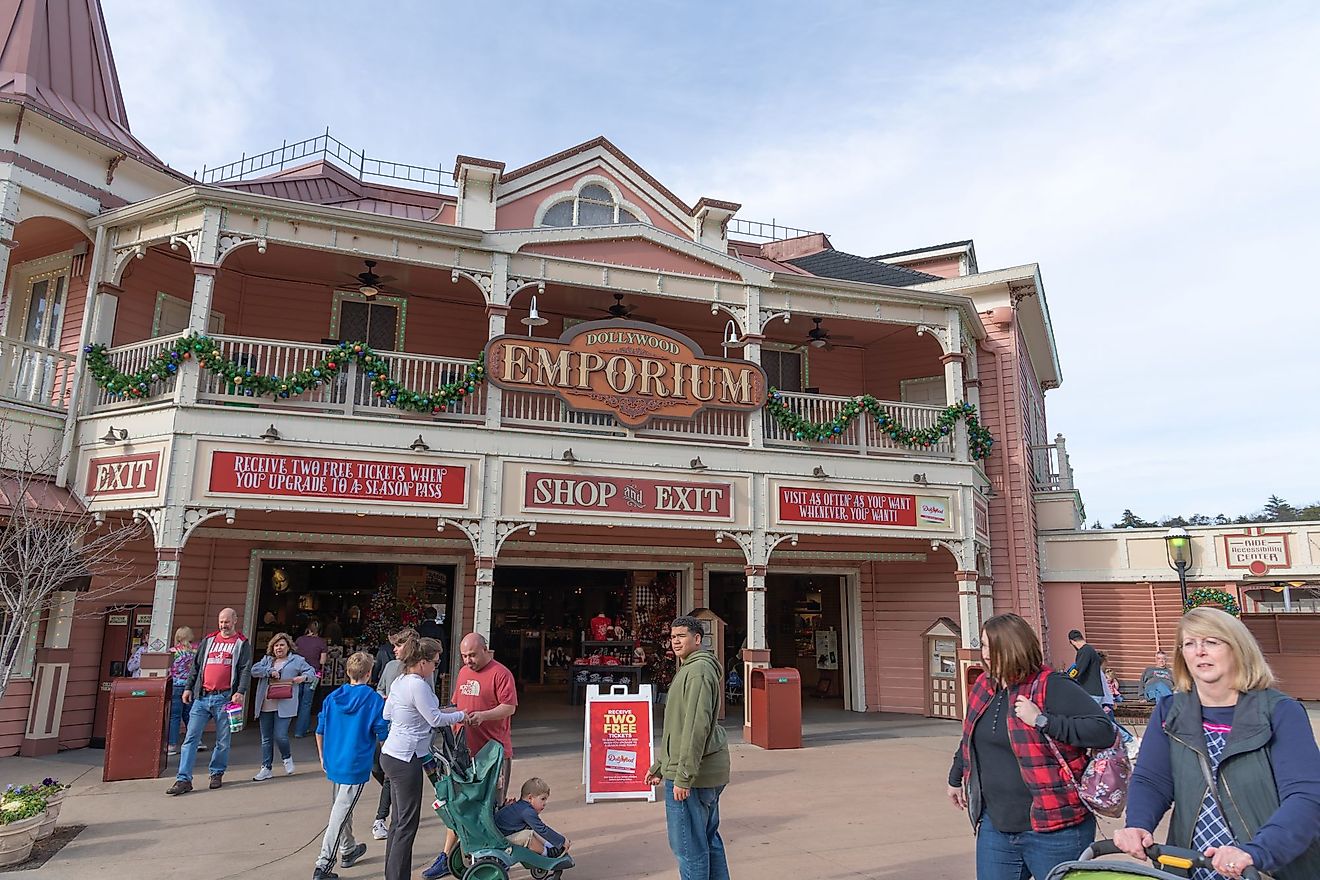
x,y
221,671
487,693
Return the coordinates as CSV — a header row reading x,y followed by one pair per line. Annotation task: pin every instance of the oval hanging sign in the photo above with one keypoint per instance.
x,y
633,371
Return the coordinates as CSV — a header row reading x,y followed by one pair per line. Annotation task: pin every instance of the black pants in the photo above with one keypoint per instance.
x,y
405,778
383,805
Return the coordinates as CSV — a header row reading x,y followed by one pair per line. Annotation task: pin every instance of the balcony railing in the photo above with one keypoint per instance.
x,y
1051,470
35,375
351,394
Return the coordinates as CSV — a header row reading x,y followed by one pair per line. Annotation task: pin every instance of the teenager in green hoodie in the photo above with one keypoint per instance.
x,y
694,757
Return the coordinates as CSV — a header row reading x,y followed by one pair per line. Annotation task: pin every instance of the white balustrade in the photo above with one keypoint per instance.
x,y
134,358
862,435
34,374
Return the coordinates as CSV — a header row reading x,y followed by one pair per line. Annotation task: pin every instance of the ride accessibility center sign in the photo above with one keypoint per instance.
x,y
619,745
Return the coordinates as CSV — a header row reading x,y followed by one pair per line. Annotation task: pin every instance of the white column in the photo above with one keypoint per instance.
x,y
9,194
481,606
953,380
496,316
757,638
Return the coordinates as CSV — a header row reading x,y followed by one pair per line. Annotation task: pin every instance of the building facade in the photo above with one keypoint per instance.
x,y
555,404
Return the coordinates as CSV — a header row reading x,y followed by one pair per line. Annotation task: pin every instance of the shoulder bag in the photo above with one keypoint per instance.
x,y
1104,783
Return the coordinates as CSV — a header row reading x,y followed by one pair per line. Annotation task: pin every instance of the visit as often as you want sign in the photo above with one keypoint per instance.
x,y
861,508
307,476
631,370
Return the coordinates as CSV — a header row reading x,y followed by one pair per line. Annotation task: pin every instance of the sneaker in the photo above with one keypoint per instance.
x,y
172,750
439,868
324,874
379,830
262,775
180,786
217,780
288,766
201,747
354,854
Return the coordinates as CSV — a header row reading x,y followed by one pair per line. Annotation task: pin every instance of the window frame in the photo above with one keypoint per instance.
x,y
575,196
400,305
802,353
217,318
26,653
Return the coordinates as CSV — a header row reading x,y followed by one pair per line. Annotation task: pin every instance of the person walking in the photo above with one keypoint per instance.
x,y
414,713
487,693
182,656
1026,815
693,763
379,828
1235,758
1089,674
280,676
312,648
221,669
1157,680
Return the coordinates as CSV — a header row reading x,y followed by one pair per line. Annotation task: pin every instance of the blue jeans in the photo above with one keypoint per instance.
x,y
178,714
274,732
1158,688
203,710
694,833
306,696
1025,854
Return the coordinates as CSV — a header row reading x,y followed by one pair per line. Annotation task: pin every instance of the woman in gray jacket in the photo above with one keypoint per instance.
x,y
281,665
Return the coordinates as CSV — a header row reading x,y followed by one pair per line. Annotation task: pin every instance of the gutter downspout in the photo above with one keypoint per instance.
x,y
80,369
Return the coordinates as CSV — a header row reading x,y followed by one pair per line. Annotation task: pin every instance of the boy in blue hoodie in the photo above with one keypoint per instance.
x,y
350,725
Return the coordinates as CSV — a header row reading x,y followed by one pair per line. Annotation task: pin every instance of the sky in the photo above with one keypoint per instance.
x,y
1159,161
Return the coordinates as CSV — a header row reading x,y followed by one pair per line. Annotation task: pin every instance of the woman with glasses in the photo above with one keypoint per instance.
x,y
1235,758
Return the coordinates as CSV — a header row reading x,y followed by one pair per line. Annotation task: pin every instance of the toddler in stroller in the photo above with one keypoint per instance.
x,y
1163,858
465,799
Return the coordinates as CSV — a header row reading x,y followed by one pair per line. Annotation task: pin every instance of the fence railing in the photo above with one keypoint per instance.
x,y
35,375
862,435
134,358
765,231
329,148
1051,470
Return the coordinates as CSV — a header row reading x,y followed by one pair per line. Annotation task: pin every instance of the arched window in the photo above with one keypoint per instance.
x,y
592,205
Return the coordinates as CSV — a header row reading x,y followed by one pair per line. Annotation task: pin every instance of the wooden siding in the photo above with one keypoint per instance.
x,y
900,601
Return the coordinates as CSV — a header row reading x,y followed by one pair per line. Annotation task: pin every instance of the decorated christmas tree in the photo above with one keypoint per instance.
x,y
382,617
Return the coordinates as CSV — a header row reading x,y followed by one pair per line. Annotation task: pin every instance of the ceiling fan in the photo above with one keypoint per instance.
x,y
369,283
621,311
819,337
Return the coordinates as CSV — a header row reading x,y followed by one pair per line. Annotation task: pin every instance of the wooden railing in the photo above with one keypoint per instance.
x,y
1051,469
862,435
35,375
133,358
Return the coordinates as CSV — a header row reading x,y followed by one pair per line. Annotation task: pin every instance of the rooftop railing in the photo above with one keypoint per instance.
x,y
762,231
328,148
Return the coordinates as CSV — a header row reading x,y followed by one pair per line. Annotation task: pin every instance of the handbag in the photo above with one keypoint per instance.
x,y
1104,784
279,690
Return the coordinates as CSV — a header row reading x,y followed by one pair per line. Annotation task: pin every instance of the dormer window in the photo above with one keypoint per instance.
x,y
592,205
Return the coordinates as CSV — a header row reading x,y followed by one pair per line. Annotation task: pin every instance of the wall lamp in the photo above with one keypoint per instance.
x,y
419,445
271,435
697,464
115,435
568,456
920,480
819,472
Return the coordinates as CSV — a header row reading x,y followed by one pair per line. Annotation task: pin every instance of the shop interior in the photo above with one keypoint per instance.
x,y
358,604
561,629
804,625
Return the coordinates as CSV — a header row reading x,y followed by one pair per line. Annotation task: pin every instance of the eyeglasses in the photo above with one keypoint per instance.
x,y
1208,644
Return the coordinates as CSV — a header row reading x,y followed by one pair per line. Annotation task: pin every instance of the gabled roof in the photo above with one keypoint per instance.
x,y
850,267
56,60
604,144
923,250
324,183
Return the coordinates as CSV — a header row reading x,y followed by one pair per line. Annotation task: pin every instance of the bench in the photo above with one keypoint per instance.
x,y
1135,707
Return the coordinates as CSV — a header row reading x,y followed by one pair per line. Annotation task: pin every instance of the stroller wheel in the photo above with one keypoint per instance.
x,y
538,873
458,862
486,869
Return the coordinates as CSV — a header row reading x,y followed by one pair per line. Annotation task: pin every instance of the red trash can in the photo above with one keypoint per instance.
x,y
135,728
775,708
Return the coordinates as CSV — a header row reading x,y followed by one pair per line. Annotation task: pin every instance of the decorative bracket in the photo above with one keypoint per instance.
x,y
195,516
471,529
190,240
485,283
738,313
153,517
941,335
506,530
123,255
768,315
954,547
516,285
232,241
757,555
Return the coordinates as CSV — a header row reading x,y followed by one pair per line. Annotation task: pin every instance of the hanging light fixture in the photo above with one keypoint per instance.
x,y
731,339
533,318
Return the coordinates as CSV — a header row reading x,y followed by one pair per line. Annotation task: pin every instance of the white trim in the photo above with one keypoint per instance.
x,y
575,193
21,278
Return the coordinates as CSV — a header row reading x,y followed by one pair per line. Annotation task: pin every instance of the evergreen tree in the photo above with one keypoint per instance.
x,y
1130,520
1278,510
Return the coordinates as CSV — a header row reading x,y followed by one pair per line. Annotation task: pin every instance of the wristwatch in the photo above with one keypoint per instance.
x,y
1041,720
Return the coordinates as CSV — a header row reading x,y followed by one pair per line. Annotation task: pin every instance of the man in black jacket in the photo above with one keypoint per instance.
x,y
1089,674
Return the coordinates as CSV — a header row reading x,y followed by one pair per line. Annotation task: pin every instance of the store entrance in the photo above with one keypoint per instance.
x,y
357,605
804,626
561,629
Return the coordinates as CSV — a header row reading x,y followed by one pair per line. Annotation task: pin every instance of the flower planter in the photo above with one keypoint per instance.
x,y
47,827
16,839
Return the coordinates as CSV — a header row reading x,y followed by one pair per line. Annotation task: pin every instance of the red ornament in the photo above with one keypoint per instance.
x,y
187,355
435,409
462,392
330,366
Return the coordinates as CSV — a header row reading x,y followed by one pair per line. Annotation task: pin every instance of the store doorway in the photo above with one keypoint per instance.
x,y
805,627
562,629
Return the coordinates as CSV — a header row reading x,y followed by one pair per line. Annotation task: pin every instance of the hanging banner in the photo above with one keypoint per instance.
x,y
618,745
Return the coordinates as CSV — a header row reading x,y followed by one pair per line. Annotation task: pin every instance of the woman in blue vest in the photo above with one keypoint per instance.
x,y
1235,758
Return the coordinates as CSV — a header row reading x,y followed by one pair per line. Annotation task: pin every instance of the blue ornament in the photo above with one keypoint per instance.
x,y
172,368
87,349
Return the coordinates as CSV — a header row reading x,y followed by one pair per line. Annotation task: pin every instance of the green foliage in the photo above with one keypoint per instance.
x,y
243,381
21,802
1211,596
979,439
1275,510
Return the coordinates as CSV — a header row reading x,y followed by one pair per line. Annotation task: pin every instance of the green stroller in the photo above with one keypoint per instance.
x,y
1089,867
465,790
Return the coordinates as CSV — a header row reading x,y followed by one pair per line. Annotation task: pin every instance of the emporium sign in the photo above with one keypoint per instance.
x,y
308,476
861,508
630,370
600,494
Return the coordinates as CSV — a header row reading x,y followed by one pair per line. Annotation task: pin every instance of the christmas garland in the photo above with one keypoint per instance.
x,y
245,382
1211,596
979,439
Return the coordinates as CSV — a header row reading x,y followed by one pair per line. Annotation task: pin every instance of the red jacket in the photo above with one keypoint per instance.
x,y
1055,803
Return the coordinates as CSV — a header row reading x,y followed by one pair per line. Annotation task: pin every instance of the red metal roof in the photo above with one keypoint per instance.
x,y
56,59
324,183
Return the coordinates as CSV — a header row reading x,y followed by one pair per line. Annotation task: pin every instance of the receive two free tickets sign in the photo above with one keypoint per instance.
x,y
618,745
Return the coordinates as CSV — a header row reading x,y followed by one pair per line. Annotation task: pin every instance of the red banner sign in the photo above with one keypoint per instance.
x,y
818,505
619,746
617,494
298,476
123,475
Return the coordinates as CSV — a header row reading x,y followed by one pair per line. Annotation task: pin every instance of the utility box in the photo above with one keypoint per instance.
x,y
775,707
135,728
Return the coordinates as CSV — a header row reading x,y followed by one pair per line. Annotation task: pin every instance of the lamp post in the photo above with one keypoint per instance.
x,y
1178,545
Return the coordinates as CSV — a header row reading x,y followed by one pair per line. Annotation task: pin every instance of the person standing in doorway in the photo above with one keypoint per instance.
x,y
312,648
280,675
1089,674
486,692
1157,680
693,763
221,671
